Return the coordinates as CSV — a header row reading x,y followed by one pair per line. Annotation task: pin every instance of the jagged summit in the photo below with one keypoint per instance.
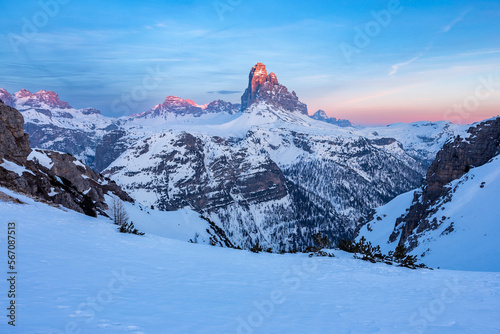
x,y
42,98
6,97
177,106
264,87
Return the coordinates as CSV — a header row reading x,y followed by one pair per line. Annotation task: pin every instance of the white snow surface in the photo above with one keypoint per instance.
x,y
13,167
419,139
77,274
473,212
41,157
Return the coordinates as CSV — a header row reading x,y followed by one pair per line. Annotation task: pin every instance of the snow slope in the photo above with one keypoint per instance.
x,y
469,217
78,275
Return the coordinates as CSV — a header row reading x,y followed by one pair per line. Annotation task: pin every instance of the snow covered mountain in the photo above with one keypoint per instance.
x,y
176,107
452,220
53,124
422,140
49,176
269,173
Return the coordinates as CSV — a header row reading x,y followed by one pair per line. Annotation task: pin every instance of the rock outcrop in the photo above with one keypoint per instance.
x,y
264,87
14,143
48,176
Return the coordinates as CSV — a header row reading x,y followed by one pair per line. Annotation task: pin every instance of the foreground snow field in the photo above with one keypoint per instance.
x,y
77,274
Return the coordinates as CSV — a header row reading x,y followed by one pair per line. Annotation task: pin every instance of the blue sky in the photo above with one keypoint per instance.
x,y
419,63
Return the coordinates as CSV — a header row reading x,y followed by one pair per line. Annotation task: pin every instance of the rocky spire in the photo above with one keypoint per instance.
x,y
264,87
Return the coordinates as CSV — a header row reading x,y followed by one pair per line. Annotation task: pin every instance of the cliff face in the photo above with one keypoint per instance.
x,y
455,159
14,143
49,176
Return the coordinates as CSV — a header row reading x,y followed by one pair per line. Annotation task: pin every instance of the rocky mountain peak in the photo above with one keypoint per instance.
x,y
264,87
222,106
181,107
24,98
177,101
272,78
6,97
321,115
258,75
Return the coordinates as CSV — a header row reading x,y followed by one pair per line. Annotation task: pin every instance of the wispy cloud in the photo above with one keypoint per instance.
x,y
396,67
457,20
225,92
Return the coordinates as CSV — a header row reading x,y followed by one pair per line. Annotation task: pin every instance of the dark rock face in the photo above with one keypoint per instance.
x,y
453,161
263,87
109,148
14,143
457,157
210,185
321,115
73,141
52,177
90,111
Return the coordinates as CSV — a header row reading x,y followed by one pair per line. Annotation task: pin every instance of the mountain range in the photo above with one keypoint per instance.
x,y
263,172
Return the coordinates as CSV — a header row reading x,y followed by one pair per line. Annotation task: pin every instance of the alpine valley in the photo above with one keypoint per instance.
x,y
263,171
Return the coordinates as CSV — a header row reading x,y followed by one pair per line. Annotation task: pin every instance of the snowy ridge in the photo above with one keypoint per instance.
x,y
422,140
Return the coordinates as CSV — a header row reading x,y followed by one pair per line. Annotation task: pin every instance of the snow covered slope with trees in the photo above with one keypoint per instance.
x,y
468,226
452,220
267,174
78,274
